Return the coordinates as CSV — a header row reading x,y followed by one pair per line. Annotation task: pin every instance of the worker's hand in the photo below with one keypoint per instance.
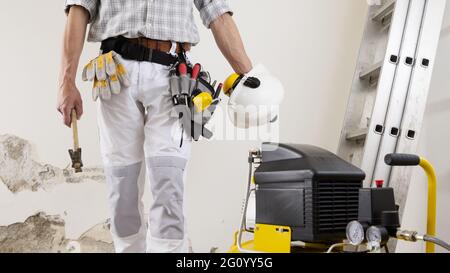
x,y
108,74
69,98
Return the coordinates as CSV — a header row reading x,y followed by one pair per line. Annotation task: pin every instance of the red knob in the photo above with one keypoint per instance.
x,y
379,183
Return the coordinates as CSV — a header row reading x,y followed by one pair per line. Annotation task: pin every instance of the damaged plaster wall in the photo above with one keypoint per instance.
x,y
28,187
19,171
33,186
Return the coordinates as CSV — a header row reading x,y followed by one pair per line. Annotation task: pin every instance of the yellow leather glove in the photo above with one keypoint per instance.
x,y
108,73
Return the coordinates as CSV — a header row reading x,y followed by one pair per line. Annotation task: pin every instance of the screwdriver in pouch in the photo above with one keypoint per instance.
x,y
185,115
174,84
217,93
195,72
216,100
182,69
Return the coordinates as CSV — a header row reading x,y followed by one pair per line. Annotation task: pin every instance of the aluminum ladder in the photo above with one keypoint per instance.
x,y
390,89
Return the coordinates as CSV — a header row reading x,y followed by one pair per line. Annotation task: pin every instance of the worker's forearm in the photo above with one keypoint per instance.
x,y
230,43
74,36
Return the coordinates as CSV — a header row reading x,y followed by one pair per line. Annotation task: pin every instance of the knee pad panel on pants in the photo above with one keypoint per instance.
x,y
124,199
166,213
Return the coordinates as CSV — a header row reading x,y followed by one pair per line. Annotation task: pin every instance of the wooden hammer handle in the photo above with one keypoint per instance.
x,y
76,144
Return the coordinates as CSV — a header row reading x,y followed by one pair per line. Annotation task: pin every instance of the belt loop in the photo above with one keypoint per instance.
x,y
173,49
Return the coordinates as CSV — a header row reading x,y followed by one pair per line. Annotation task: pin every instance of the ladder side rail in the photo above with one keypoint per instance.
x,y
400,90
385,85
417,99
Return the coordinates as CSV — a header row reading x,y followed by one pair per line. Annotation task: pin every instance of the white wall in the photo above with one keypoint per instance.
x,y
311,45
435,146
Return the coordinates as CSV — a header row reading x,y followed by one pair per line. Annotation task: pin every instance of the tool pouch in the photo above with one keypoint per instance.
x,y
195,101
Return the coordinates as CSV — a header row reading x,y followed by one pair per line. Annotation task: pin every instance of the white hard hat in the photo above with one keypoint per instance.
x,y
254,97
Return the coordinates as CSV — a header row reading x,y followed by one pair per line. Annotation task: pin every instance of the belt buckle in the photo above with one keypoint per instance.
x,y
145,54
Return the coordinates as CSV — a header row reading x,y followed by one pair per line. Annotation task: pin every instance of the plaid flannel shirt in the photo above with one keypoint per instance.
x,y
167,20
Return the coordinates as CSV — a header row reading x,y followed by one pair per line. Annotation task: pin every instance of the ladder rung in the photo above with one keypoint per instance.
x,y
372,72
384,12
386,24
357,135
387,20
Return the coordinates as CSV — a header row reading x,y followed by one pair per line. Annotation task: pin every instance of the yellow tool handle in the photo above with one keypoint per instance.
x,y
432,188
76,144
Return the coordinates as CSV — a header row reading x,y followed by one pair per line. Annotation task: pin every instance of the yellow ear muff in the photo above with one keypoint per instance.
x,y
229,83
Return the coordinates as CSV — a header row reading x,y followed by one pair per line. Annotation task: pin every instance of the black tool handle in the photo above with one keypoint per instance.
x,y
402,160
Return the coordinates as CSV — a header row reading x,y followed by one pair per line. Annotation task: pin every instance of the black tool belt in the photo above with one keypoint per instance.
x,y
136,52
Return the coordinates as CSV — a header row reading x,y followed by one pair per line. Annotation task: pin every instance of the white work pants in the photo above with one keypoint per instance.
x,y
139,129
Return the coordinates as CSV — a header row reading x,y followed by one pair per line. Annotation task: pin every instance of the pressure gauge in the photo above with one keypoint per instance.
x,y
377,235
355,233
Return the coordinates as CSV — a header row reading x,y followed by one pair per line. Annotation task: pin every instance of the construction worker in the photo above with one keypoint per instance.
x,y
141,39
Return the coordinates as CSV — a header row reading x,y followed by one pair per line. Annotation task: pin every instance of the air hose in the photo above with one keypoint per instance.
x,y
436,241
243,227
413,236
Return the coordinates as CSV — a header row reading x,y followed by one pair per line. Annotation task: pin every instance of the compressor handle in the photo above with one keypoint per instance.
x,y
402,160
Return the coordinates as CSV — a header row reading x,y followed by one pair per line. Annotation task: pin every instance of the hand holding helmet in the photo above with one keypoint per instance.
x,y
254,97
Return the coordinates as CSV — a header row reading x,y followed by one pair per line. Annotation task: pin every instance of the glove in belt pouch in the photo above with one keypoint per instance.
x,y
195,106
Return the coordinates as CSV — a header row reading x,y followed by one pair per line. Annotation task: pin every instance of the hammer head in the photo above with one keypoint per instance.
x,y
75,156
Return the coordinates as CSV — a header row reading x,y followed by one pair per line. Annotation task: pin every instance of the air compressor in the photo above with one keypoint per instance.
x,y
307,199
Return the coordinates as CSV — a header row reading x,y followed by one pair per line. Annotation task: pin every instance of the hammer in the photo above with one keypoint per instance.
x,y
75,154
